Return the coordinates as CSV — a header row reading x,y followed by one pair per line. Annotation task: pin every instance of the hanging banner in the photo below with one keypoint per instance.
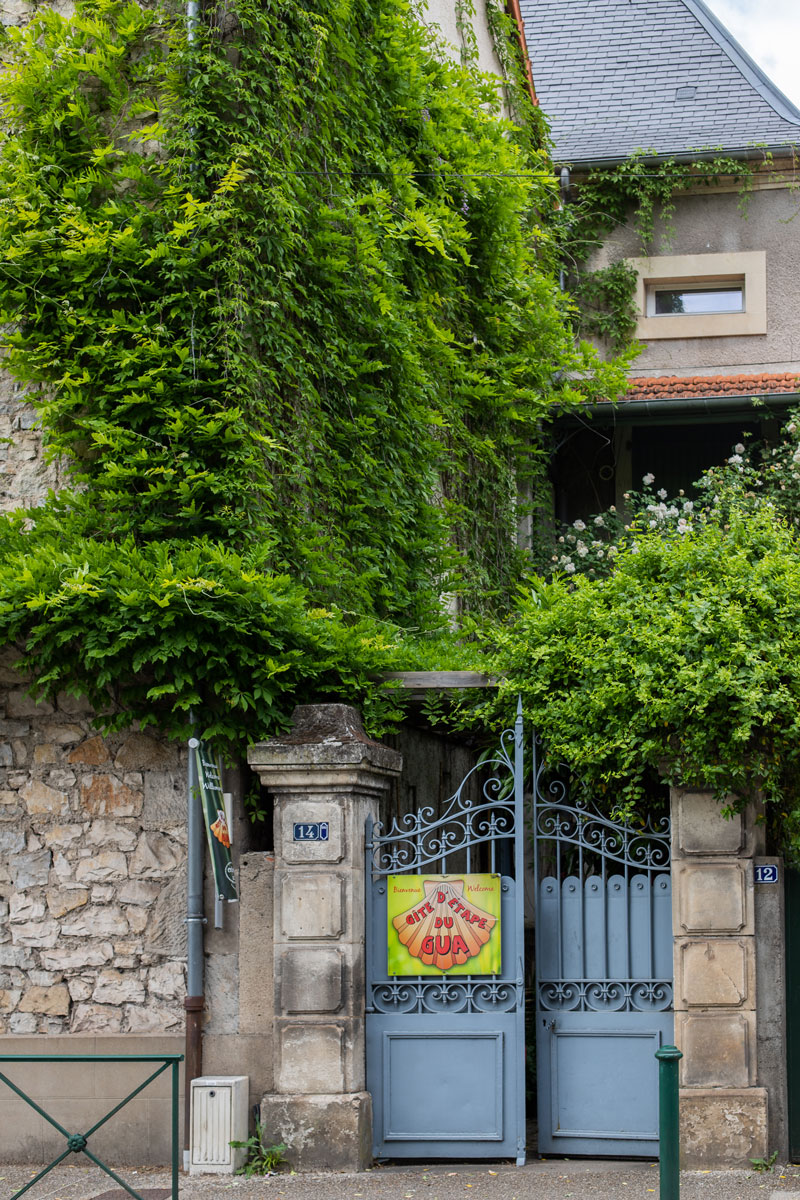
x,y
443,924
216,821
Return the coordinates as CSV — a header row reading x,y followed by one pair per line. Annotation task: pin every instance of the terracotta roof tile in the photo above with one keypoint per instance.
x,y
669,387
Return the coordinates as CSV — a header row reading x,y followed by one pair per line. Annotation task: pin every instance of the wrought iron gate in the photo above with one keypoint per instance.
x,y
445,1051
603,975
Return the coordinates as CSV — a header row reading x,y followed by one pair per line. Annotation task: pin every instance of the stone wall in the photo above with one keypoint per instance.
x,y
724,1108
25,475
92,872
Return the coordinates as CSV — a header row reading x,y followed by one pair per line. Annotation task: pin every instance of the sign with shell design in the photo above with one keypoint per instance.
x,y
443,924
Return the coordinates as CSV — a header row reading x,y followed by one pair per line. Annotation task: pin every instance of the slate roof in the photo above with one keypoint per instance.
x,y
673,387
616,76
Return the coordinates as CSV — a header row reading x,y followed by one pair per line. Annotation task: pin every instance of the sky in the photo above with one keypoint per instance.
x,y
769,30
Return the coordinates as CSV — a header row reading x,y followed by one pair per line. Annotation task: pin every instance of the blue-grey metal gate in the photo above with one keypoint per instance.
x,y
445,1048
603,975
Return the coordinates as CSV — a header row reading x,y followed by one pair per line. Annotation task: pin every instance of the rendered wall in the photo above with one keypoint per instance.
x,y
715,222
79,1094
441,14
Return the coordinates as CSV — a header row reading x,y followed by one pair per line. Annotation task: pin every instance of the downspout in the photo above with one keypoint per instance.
x,y
565,193
194,1000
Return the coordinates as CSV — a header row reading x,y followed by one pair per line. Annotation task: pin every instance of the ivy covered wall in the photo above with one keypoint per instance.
x,y
284,298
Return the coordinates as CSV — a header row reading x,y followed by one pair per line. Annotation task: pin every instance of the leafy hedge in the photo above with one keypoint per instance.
x,y
685,661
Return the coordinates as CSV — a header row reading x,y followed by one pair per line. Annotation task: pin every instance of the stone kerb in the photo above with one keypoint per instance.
x,y
325,776
723,1110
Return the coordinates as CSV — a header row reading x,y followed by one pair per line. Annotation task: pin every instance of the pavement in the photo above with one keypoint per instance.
x,y
539,1179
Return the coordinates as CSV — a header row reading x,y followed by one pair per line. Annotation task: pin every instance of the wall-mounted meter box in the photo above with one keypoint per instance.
x,y
219,1116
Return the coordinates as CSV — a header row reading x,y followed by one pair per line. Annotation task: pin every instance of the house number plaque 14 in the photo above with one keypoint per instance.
x,y
310,831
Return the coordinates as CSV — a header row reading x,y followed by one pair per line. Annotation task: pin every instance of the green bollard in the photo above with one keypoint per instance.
x,y
668,1131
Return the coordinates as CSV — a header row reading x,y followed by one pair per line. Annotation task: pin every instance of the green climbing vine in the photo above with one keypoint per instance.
x,y
284,299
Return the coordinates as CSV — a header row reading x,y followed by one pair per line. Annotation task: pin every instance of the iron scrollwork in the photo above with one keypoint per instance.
x,y
442,994
604,995
416,840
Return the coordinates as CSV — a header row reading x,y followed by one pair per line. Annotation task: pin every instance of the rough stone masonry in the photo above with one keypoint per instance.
x,y
92,871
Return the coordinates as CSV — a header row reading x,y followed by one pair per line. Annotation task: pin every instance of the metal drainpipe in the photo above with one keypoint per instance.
x,y
195,920
566,196
194,999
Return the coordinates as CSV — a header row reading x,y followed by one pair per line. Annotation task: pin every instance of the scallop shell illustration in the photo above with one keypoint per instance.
x,y
445,929
220,829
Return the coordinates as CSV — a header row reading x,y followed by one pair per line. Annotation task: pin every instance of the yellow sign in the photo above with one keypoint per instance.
x,y
443,924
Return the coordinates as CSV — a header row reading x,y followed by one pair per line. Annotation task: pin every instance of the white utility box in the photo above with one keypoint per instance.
x,y
219,1116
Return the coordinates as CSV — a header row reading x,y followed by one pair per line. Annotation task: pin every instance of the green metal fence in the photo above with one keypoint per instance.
x,y
77,1143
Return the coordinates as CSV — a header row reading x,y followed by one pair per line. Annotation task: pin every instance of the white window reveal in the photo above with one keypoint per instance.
x,y
701,295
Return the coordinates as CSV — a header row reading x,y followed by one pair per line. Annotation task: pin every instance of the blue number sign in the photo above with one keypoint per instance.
x,y
767,873
311,831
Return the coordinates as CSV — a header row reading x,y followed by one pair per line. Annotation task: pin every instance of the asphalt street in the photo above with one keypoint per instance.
x,y
552,1179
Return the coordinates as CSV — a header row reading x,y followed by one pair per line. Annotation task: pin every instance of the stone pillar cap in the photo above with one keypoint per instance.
x,y
324,734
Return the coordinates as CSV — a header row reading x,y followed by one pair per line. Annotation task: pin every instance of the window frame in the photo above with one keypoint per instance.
x,y
747,269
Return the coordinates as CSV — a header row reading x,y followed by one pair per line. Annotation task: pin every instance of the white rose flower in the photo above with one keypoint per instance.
x,y
569,567
579,525
599,520
688,506
672,511
662,493
738,448
734,460
582,549
648,479
612,552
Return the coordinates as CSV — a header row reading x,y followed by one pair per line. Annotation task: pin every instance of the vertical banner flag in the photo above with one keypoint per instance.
x,y
216,822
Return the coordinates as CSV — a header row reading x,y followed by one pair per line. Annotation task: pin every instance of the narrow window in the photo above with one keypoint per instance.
x,y
695,301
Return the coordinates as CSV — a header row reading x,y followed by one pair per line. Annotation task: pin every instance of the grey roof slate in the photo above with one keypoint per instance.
x,y
610,76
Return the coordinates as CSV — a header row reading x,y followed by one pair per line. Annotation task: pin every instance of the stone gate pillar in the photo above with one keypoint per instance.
x,y
723,1110
325,776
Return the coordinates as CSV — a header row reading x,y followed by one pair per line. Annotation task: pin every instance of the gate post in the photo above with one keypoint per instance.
x,y
724,1110
325,775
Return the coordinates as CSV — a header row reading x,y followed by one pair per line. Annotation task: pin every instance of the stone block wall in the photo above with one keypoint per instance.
x,y
92,872
324,770
724,1118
